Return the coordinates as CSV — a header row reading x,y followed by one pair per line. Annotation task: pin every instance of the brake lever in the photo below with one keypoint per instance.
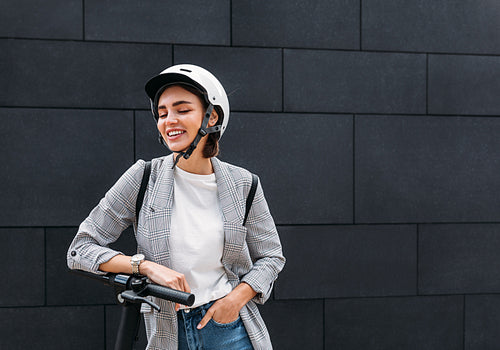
x,y
132,297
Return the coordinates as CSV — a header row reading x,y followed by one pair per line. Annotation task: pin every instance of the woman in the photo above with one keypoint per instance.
x,y
190,232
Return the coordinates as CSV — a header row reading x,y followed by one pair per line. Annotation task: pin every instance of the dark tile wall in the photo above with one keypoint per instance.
x,y
349,261
395,323
466,26
54,328
464,84
55,160
457,259
353,82
293,194
171,21
322,24
482,314
252,78
426,169
51,19
372,124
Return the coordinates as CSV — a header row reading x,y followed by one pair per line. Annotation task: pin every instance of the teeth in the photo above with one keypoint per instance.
x,y
176,132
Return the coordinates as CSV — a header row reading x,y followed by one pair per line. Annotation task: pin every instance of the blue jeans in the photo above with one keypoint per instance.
x,y
214,336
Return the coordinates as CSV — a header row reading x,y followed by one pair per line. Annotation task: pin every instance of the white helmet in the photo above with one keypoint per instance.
x,y
197,77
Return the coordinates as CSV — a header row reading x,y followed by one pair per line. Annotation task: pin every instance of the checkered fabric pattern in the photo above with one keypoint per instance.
x,y
252,253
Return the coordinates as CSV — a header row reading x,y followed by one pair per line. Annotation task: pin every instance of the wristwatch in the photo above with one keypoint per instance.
x,y
135,261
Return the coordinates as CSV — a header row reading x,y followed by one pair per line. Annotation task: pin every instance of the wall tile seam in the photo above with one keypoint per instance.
x,y
360,25
368,114
388,297
352,51
353,150
231,23
134,135
295,113
462,54
443,53
386,224
380,51
350,224
477,294
464,321
417,259
72,304
23,306
299,300
305,224
402,223
324,324
283,85
427,76
436,115
264,112
83,20
37,227
76,108
251,47
94,41
55,306
45,267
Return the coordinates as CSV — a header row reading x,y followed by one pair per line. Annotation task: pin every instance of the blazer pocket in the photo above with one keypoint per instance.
x,y
235,256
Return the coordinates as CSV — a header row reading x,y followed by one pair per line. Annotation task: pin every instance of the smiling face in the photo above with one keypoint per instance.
x,y
180,116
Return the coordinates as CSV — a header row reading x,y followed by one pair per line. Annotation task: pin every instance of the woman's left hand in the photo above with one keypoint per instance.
x,y
227,309
222,311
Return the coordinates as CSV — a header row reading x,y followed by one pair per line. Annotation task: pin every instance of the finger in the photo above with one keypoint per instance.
x,y
177,307
177,283
205,319
186,286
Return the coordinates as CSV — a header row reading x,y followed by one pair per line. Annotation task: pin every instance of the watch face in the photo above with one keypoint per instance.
x,y
138,257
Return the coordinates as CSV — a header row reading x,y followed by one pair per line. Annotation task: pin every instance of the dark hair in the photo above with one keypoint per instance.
x,y
211,148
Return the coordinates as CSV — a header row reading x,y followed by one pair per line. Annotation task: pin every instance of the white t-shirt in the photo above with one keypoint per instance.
x,y
197,236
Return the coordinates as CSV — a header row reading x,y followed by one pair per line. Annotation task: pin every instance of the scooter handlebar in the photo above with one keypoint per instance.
x,y
142,286
166,293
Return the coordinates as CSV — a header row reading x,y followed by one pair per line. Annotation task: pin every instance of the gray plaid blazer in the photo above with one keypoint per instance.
x,y
252,253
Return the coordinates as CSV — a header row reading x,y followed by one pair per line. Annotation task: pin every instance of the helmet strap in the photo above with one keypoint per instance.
x,y
202,131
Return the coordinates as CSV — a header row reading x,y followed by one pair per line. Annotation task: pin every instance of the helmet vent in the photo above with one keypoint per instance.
x,y
186,70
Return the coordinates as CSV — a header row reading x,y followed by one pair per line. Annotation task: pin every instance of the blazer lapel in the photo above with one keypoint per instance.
x,y
232,212
228,193
160,212
163,190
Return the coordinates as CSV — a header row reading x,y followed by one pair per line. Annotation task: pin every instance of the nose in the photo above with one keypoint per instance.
x,y
169,119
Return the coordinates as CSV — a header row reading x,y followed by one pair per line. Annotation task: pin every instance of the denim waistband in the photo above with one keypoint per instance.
x,y
202,309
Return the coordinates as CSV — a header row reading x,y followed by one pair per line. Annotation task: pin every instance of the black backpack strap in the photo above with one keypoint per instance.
x,y
251,195
142,190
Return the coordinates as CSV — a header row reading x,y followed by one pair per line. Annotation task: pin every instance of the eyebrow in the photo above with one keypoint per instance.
x,y
176,103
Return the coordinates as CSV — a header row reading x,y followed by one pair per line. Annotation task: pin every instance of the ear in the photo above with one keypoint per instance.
x,y
214,117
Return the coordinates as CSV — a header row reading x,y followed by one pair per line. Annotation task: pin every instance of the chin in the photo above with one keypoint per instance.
x,y
177,149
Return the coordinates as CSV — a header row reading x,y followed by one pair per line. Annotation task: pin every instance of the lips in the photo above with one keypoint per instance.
x,y
173,133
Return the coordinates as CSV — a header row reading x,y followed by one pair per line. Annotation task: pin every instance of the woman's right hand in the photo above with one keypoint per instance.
x,y
164,276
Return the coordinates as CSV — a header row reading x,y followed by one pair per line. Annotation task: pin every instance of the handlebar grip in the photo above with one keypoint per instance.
x,y
174,295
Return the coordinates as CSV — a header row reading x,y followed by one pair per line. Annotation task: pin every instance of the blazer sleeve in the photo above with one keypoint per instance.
x,y
264,247
104,225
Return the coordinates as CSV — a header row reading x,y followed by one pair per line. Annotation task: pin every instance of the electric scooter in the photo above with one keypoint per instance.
x,y
131,292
